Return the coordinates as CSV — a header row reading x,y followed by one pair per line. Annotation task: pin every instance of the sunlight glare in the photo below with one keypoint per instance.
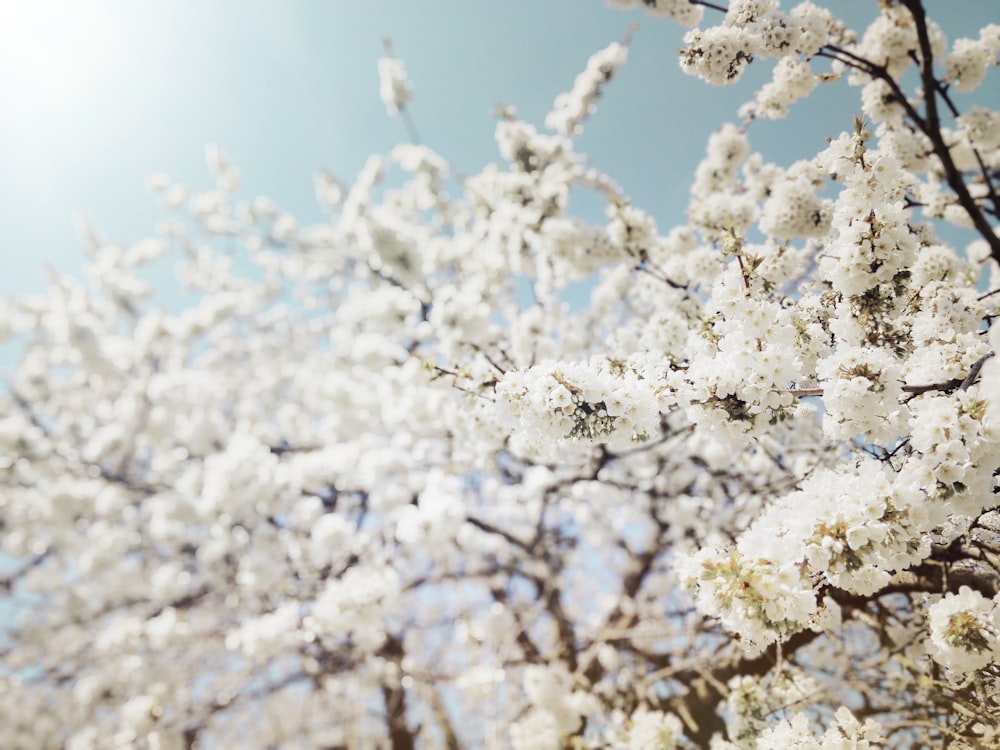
x,y
54,52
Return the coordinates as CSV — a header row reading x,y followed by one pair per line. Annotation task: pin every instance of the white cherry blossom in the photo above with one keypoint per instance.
x,y
392,480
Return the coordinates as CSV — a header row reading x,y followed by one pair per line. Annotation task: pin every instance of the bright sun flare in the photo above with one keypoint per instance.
x,y
52,51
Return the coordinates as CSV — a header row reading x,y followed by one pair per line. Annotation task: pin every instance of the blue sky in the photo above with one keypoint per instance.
x,y
98,95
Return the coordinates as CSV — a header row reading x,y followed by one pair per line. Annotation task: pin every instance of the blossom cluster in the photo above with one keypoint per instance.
x,y
599,401
756,28
388,476
394,87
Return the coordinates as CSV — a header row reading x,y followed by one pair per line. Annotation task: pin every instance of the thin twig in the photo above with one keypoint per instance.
x,y
713,6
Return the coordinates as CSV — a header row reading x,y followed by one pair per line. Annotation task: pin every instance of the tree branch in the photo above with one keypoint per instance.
x,y
932,129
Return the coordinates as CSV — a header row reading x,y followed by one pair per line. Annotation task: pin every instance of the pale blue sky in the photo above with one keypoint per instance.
x,y
97,95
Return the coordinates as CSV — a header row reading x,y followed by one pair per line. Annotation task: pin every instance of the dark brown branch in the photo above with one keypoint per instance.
x,y
441,714
8,581
942,90
948,385
970,379
702,698
713,6
491,529
932,129
929,126
401,736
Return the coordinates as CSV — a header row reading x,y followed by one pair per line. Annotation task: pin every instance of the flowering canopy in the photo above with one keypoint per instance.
x,y
381,485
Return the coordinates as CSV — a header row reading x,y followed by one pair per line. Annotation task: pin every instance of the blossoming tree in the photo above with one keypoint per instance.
x,y
379,485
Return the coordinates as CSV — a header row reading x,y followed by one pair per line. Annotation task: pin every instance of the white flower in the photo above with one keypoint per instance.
x,y
394,88
964,630
969,59
653,730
